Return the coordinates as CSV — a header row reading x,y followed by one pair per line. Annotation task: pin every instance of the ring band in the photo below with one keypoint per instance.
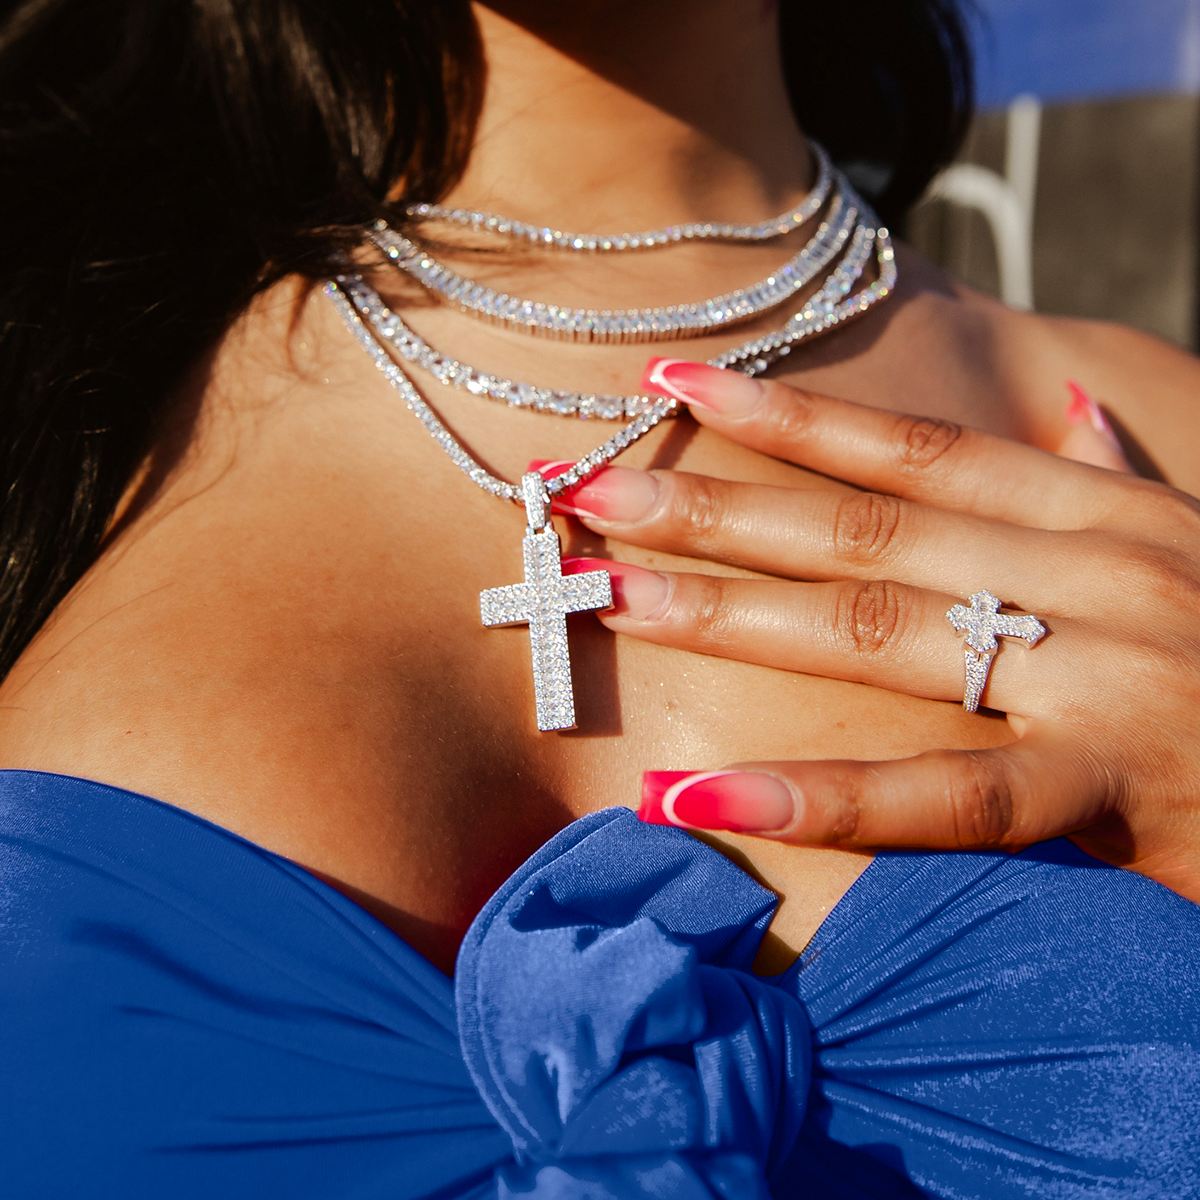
x,y
983,622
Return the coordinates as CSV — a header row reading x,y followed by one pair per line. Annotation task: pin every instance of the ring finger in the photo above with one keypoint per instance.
x,y
881,633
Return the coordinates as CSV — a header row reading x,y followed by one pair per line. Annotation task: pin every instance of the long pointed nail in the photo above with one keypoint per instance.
x,y
724,391
738,801
549,468
1092,439
616,494
637,593
1083,408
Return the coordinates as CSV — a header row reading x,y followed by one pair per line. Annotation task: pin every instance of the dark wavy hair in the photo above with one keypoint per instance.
x,y
161,161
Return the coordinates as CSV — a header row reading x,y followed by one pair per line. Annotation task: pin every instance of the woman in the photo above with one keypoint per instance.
x,y
259,617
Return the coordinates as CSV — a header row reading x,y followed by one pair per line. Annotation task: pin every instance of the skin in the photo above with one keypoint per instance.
x,y
1104,715
282,633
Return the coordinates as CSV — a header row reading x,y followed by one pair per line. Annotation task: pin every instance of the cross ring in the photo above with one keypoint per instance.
x,y
982,623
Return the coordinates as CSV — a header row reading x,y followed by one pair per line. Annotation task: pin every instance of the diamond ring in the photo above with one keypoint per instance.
x,y
982,622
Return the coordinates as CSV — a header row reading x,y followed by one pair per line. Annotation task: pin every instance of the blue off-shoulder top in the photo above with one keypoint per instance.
x,y
183,1014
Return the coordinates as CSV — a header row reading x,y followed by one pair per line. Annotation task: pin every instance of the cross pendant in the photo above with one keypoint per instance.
x,y
542,602
983,622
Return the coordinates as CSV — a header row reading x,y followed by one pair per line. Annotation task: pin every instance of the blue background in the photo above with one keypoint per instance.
x,y
1085,49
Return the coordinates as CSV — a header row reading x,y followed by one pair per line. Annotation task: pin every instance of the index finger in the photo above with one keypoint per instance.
x,y
917,458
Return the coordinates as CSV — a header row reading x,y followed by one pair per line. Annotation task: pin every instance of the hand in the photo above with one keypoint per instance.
x,y
1106,708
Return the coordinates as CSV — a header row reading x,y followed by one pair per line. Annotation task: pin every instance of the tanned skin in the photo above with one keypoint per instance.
x,y
282,634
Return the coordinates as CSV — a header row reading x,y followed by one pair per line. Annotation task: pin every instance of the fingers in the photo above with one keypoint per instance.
x,y
1041,786
916,458
820,534
880,633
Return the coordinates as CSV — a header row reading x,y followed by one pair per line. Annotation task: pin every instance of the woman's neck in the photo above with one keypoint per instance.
x,y
613,115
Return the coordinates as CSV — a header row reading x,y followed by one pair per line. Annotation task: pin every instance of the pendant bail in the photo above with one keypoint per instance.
x,y
537,501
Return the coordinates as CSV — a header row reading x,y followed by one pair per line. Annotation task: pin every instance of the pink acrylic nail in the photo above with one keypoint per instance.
x,y
1083,408
616,494
738,801
550,468
698,384
637,593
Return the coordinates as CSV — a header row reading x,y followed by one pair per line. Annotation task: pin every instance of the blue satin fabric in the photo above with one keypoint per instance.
x,y
184,1014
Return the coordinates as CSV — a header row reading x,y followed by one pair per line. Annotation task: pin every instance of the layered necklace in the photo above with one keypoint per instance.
x,y
837,255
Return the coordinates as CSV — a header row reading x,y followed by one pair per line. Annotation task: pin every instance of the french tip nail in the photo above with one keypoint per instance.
x,y
549,468
654,787
578,566
733,801
1083,408
1079,406
563,509
702,386
653,380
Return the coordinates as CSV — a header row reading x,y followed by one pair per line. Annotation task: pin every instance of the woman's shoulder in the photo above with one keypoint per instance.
x,y
1148,388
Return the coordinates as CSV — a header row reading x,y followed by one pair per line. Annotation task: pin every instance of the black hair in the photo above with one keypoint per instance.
x,y
161,161
886,86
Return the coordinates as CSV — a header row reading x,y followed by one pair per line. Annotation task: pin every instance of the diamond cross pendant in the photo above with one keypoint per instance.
x,y
982,623
542,602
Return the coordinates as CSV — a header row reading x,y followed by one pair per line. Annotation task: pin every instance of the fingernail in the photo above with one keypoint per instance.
x,y
1083,408
550,468
615,494
728,392
637,593
739,801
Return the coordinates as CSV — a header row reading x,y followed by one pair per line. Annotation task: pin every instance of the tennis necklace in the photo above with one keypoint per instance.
x,y
834,303
545,597
664,323
693,231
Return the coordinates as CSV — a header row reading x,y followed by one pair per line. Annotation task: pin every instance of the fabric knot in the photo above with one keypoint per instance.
x,y
608,1017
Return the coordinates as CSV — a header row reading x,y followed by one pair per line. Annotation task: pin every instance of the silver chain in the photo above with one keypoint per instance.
x,y
835,303
813,319
626,325
544,235
825,309
392,372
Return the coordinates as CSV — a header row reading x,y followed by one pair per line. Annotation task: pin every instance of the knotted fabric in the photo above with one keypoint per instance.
x,y
609,1020
185,1014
